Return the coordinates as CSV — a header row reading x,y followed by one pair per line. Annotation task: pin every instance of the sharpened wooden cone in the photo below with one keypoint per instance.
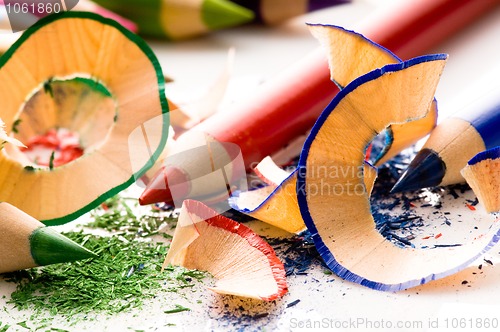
x,y
105,84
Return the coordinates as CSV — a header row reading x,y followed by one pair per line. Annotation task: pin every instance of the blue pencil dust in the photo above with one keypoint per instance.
x,y
297,253
383,202
395,215
399,228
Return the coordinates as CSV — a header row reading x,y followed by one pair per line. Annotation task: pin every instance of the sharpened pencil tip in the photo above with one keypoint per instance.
x,y
427,169
50,247
219,14
159,190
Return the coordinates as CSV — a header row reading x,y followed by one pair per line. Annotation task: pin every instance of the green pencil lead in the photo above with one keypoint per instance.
x,y
50,247
219,14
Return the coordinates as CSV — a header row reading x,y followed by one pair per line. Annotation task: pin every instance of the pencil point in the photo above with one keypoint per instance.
x,y
50,247
166,180
427,169
219,14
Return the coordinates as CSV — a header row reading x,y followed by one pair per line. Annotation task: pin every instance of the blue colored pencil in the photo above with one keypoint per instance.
x,y
452,143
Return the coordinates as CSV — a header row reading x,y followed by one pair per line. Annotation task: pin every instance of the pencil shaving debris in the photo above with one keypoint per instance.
x,y
244,264
341,222
351,55
483,175
79,98
4,138
277,203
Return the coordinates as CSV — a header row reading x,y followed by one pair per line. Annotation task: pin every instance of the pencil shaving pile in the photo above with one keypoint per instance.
x,y
356,56
91,96
382,92
244,264
379,92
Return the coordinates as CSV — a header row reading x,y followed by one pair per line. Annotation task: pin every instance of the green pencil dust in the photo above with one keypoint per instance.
x,y
4,327
126,273
119,218
101,284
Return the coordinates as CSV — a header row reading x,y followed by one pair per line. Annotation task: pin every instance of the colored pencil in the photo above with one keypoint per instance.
x,y
289,104
175,19
452,143
25,242
89,6
483,176
277,11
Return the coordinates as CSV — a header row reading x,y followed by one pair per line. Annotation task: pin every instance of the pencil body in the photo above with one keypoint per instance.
x,y
477,131
288,105
25,242
89,6
277,11
452,144
483,176
179,19
15,234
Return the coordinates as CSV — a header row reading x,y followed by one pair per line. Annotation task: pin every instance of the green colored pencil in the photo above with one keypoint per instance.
x,y
25,242
179,19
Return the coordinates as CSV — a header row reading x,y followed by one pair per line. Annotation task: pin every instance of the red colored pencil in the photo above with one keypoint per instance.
x,y
289,104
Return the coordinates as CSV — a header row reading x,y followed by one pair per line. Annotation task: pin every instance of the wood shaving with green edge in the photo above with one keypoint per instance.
x,y
126,273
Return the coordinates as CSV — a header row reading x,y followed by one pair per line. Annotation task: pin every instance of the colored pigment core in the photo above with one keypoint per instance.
x,y
55,148
62,120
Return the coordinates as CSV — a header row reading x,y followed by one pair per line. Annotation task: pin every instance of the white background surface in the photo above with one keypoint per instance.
x,y
262,52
